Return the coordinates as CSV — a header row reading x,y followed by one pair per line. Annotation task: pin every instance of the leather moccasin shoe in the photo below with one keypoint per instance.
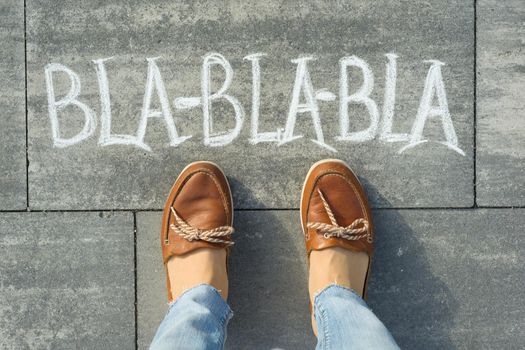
x,y
198,213
335,211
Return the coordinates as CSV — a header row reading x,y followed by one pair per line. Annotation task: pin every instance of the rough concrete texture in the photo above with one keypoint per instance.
x,y
151,278
450,279
66,281
441,279
12,106
501,103
87,175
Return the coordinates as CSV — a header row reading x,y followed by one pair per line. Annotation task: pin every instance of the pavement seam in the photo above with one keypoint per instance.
x,y
135,275
26,107
134,211
475,102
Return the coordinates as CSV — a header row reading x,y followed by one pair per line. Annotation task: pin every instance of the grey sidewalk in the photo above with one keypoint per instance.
x,y
80,203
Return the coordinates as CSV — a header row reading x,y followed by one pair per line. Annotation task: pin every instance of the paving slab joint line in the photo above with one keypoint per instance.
x,y
135,276
134,211
475,105
26,108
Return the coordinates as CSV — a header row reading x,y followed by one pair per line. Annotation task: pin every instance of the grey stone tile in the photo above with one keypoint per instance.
x,y
501,104
441,279
66,281
87,175
450,279
151,280
12,107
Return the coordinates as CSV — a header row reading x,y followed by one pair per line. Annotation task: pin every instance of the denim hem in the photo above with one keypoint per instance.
x,y
335,286
324,332
224,318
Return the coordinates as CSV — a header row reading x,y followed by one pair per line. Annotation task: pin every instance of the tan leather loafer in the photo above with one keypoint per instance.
x,y
198,213
335,211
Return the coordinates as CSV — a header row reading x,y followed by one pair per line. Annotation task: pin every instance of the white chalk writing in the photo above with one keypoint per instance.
x,y
304,104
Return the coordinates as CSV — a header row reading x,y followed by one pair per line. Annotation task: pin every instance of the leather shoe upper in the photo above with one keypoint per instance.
x,y
335,210
198,212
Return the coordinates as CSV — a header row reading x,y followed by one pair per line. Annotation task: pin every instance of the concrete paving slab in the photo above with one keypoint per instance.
x,y
66,281
450,279
441,279
501,104
12,107
501,119
71,40
151,280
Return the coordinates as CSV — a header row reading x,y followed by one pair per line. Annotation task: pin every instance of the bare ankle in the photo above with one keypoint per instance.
x,y
202,266
337,266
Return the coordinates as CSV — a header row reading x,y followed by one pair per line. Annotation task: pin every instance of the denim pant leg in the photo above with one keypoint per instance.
x,y
344,321
196,320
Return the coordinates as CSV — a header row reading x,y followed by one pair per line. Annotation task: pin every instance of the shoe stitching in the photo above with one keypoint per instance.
x,y
347,180
224,200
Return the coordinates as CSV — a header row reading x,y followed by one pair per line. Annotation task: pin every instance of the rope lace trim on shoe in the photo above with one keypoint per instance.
x,y
353,232
190,233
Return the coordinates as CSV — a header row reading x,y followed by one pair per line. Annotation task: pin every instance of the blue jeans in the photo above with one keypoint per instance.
x,y
199,317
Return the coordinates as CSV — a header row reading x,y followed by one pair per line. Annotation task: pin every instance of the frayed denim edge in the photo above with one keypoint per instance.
x,y
229,312
333,285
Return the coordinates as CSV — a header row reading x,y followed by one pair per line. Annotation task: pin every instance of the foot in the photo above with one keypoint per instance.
x,y
196,230
205,265
339,266
337,226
